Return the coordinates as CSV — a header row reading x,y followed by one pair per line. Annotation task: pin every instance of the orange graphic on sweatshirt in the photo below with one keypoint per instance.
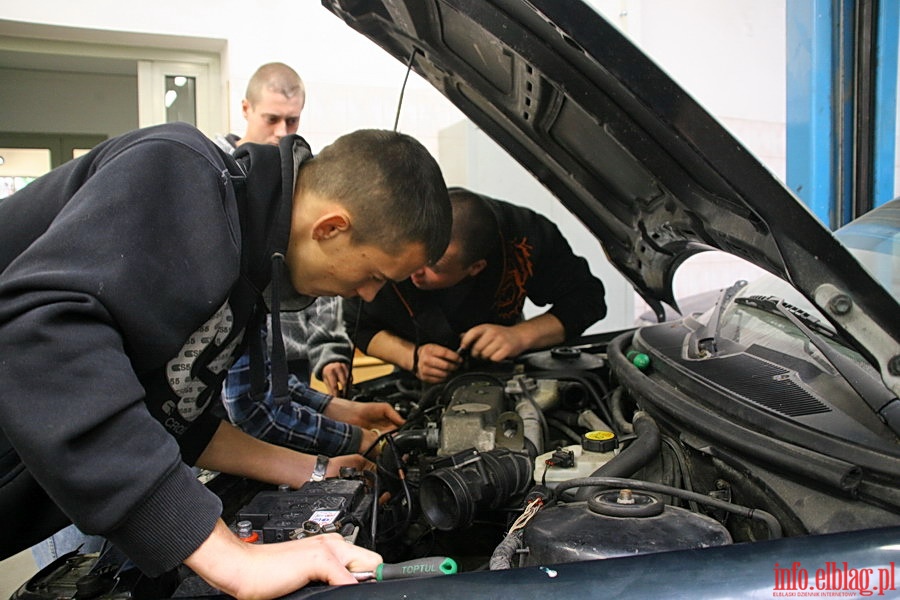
x,y
517,270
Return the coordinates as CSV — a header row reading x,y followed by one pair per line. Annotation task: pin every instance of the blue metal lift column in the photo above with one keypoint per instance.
x,y
810,135
886,101
842,104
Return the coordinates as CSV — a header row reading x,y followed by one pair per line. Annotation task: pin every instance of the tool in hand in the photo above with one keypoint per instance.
x,y
419,567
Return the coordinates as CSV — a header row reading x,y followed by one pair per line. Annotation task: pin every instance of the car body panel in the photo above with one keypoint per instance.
x,y
625,149
742,570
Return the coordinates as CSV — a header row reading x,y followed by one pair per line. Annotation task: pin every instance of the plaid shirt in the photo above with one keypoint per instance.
x,y
297,424
316,335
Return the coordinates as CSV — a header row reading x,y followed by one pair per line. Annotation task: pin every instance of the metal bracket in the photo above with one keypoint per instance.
x,y
885,349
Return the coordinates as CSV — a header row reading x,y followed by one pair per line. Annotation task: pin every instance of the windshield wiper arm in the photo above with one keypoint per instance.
x,y
879,398
708,335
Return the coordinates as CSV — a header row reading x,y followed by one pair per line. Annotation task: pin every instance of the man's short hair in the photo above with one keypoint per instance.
x,y
474,225
390,184
276,77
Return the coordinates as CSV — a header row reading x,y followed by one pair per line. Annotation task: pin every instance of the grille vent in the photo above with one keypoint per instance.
x,y
761,382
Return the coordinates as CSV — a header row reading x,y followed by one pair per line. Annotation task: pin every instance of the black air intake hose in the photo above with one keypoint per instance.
x,y
450,496
642,450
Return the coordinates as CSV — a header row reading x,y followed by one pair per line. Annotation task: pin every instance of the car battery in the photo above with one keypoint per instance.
x,y
332,505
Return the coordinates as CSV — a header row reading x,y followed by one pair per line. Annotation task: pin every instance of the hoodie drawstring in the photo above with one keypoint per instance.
x,y
280,392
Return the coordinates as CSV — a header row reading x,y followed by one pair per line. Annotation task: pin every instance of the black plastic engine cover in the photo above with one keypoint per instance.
x,y
573,532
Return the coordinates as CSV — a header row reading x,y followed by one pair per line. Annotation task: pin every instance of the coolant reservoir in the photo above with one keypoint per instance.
x,y
596,449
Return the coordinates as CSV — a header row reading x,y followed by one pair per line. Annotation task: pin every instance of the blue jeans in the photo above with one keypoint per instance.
x,y
64,541
67,539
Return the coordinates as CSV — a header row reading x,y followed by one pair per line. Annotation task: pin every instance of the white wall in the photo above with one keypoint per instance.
x,y
729,56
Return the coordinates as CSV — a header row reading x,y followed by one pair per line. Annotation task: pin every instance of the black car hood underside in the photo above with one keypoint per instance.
x,y
625,149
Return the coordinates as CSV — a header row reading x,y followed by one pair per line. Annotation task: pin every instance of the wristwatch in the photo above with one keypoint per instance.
x,y
318,473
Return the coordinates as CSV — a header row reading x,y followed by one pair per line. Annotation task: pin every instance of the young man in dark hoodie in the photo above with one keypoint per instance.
x,y
471,300
316,342
127,280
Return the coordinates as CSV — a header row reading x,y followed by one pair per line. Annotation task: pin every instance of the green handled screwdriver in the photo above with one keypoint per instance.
x,y
419,567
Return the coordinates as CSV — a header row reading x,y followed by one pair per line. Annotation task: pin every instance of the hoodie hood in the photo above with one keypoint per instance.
x,y
271,173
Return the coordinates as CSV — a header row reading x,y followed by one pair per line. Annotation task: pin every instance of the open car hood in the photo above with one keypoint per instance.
x,y
625,149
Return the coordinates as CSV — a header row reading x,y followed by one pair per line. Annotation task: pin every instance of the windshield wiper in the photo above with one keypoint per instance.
x,y
708,335
879,398
771,304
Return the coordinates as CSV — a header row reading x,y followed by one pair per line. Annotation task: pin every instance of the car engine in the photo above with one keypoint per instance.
x,y
545,460
495,467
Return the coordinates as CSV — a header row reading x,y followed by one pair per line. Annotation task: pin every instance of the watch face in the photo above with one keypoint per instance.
x,y
318,473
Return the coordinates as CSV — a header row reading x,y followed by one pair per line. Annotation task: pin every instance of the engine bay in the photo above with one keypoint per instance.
x,y
548,460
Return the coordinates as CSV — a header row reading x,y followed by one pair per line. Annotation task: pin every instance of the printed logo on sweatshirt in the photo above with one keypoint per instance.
x,y
180,371
517,270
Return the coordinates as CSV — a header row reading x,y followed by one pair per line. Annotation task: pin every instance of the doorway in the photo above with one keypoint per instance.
x,y
68,81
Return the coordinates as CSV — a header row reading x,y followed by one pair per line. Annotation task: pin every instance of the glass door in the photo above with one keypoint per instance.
x,y
174,91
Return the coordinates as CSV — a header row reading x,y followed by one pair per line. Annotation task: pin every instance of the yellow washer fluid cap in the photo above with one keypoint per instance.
x,y
599,441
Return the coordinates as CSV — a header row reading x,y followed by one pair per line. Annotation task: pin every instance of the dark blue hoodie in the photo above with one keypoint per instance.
x,y
127,278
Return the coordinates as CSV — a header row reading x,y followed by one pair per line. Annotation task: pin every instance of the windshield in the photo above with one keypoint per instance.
x,y
873,239
747,325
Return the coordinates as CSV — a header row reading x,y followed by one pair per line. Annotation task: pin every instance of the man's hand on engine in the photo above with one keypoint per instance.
x,y
435,362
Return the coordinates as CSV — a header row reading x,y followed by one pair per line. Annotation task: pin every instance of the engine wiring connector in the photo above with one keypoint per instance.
x,y
563,458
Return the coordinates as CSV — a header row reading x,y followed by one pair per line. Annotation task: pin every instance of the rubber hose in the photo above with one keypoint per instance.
x,y
626,463
619,420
